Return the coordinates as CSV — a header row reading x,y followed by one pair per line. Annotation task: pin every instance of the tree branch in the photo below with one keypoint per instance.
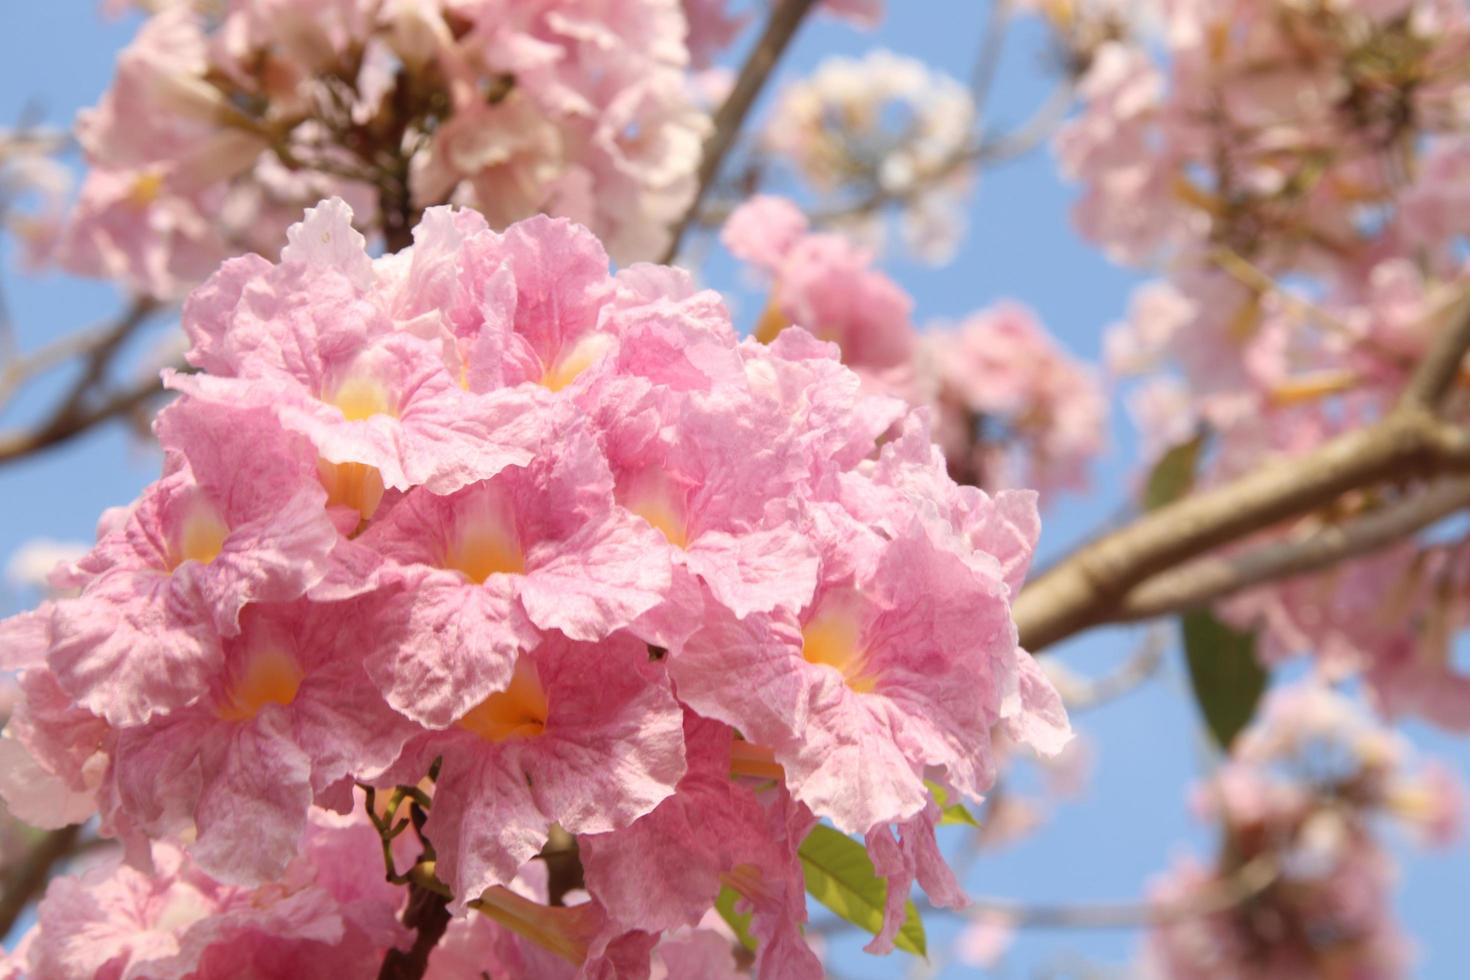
x,y
1091,586
98,345
71,414
780,28
427,914
17,444
1435,375
1201,582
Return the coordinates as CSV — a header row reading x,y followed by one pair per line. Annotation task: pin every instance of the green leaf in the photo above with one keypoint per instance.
x,y
949,813
1227,678
840,875
1173,475
739,922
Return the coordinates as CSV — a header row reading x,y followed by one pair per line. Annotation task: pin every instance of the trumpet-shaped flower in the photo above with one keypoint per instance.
x,y
475,577
585,735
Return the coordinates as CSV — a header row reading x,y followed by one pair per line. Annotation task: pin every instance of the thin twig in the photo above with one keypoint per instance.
x,y
17,444
1083,694
1029,134
1245,884
100,357
988,56
21,368
780,28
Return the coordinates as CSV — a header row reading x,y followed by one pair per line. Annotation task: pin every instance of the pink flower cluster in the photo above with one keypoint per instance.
x,y
480,509
1010,408
220,128
1297,802
1296,171
330,911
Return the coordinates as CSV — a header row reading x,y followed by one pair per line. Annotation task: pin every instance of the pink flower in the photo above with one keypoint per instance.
x,y
910,854
584,735
828,285
126,229
481,512
54,754
895,671
711,28
476,577
996,534
1004,369
290,716
865,13
598,124
309,338
824,283
694,953
684,463
218,128
985,939
550,295
159,156
763,231
243,520
1435,208
331,910
664,871
1128,204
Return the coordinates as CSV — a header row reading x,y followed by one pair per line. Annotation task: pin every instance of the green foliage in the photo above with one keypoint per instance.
x,y
1227,679
950,813
739,922
840,875
1173,474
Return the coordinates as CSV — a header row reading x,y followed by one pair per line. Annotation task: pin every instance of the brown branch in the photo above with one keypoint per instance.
x,y
72,414
27,879
1091,586
100,357
17,444
1201,582
97,345
427,914
1437,372
780,28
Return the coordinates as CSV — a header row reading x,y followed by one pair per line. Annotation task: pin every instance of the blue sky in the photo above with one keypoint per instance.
x,y
57,57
